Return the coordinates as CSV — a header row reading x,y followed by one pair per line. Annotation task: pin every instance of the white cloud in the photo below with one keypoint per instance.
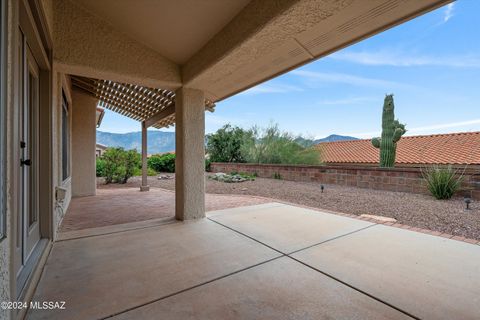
x,y
403,59
462,126
448,12
471,124
334,77
271,88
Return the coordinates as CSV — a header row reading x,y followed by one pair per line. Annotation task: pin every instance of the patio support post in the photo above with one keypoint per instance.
x,y
144,186
190,154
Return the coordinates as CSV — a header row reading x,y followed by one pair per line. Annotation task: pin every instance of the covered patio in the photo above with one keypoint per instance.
x,y
163,63
266,261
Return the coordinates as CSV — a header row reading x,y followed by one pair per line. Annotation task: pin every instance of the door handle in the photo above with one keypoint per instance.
x,y
26,162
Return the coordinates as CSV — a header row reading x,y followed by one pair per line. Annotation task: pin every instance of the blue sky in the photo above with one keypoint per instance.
x,y
431,64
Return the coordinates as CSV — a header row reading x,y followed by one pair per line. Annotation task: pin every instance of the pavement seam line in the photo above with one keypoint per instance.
x,y
322,272
331,239
191,288
247,236
355,288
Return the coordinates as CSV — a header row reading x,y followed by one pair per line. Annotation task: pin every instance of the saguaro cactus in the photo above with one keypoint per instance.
x,y
392,131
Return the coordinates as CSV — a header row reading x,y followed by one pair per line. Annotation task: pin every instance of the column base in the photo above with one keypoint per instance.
x,y
144,188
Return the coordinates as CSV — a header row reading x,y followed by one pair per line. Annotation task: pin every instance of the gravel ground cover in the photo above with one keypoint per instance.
x,y
416,210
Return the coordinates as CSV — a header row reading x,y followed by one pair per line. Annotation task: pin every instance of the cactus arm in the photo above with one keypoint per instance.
x,y
398,134
376,142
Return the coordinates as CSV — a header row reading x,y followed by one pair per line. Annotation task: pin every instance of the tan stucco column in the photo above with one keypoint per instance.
x,y
190,154
83,139
144,186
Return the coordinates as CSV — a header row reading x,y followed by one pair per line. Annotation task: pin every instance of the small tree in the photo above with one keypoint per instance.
x,y
119,165
270,145
132,160
225,145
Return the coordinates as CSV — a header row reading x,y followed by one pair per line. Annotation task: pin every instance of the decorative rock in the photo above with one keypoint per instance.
x,y
379,218
164,177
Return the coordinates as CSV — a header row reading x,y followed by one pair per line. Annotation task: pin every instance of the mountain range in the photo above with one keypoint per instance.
x,y
161,141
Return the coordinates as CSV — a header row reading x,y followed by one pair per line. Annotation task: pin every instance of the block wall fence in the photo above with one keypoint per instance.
x,y
407,179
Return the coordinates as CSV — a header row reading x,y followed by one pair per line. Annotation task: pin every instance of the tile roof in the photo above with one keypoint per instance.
x,y
455,148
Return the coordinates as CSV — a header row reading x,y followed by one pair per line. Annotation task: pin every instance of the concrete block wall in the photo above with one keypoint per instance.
x,y
396,179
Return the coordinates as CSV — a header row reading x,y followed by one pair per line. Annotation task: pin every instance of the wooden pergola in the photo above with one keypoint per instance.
x,y
155,107
151,106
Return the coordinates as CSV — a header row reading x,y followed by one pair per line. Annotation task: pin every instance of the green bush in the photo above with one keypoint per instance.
x,y
120,165
272,146
150,172
162,162
225,145
442,182
100,164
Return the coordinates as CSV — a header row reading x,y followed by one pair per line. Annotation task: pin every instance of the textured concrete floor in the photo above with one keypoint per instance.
x,y
269,261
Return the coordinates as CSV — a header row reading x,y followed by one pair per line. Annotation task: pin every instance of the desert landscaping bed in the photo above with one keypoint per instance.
x,y
416,210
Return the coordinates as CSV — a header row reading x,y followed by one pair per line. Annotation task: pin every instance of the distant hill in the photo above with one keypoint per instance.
x,y
335,137
161,141
157,141
331,138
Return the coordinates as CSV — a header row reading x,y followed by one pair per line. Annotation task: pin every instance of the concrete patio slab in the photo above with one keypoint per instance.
x,y
278,290
103,275
286,228
427,276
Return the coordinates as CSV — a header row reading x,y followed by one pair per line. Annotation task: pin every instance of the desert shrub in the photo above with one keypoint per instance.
x,y
442,182
225,145
120,165
272,146
150,172
162,162
132,161
100,167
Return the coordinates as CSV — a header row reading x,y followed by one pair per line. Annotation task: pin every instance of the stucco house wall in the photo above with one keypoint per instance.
x,y
83,144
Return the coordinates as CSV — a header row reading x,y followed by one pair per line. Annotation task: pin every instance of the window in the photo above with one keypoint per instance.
x,y
65,139
3,85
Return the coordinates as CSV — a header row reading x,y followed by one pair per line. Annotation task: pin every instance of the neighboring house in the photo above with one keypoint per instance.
x,y
100,149
455,148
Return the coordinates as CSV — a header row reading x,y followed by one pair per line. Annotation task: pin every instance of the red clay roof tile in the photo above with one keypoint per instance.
x,y
454,148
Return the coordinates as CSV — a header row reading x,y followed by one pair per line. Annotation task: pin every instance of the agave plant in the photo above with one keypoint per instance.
x,y
443,181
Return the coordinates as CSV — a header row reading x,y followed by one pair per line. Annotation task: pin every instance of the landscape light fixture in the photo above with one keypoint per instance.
x,y
322,187
467,201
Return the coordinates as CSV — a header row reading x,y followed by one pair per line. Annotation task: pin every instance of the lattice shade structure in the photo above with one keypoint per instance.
x,y
154,106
